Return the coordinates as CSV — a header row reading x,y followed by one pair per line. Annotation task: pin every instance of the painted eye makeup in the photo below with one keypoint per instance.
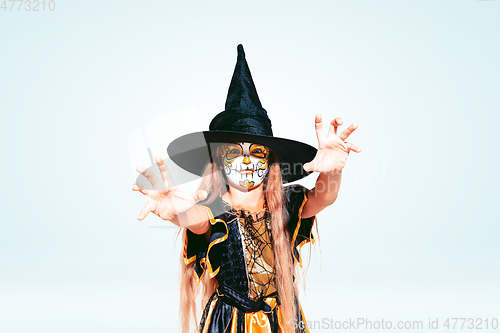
x,y
233,151
259,151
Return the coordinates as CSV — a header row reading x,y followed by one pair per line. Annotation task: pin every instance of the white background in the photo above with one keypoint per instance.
x,y
87,88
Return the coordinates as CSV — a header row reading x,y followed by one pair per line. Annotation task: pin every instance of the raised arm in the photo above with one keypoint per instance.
x,y
171,203
329,162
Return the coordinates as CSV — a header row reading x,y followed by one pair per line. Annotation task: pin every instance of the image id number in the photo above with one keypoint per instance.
x,y
28,5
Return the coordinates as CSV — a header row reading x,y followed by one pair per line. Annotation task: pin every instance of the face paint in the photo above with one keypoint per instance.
x,y
245,164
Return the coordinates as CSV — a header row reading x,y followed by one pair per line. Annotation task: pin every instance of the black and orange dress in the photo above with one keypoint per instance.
x,y
239,255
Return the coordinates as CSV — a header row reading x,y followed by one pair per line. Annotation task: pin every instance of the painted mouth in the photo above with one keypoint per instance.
x,y
246,172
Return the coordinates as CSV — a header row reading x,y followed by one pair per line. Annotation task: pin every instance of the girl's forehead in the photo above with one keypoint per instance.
x,y
246,144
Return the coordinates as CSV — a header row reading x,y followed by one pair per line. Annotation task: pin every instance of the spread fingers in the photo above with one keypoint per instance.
x,y
334,124
165,174
353,147
318,125
144,212
139,187
150,176
348,131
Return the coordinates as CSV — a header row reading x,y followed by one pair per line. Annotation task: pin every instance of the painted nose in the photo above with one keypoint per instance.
x,y
246,160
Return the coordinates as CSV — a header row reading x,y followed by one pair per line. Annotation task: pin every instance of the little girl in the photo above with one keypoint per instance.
x,y
242,228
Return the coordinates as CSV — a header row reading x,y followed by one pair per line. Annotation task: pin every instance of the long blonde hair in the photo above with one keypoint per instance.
x,y
193,295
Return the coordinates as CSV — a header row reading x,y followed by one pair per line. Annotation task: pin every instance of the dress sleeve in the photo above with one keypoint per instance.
x,y
300,228
196,247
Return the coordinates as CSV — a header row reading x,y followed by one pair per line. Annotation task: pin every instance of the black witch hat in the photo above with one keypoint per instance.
x,y
244,120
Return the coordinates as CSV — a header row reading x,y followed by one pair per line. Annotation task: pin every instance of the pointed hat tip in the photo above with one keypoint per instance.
x,y
240,50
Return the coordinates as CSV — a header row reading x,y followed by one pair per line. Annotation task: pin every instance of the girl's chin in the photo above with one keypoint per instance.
x,y
244,187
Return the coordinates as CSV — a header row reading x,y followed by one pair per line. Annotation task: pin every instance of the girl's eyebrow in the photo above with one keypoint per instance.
x,y
258,145
235,144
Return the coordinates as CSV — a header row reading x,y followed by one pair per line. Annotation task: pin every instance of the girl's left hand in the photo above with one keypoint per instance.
x,y
332,150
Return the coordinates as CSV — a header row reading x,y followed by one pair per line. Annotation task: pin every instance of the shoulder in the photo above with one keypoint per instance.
x,y
295,196
295,189
216,207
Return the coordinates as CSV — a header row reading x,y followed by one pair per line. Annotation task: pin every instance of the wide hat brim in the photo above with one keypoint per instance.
x,y
191,152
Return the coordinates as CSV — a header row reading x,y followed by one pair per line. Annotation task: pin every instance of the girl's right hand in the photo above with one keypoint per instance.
x,y
164,201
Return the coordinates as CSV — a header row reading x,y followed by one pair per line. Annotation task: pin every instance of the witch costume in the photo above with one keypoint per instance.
x,y
239,252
